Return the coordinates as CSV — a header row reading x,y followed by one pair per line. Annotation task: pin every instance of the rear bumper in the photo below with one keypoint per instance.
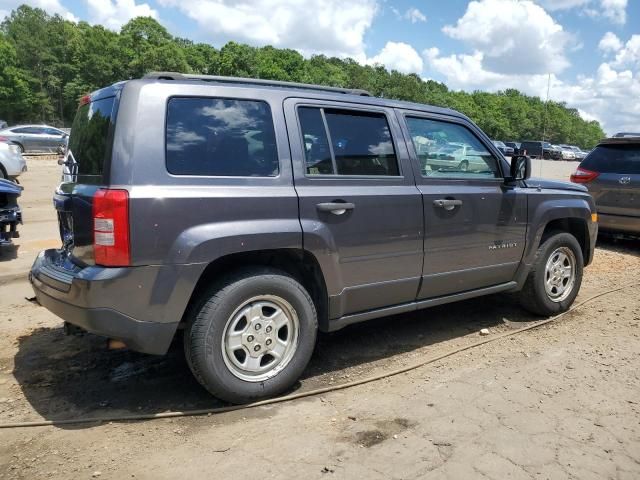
x,y
619,223
142,306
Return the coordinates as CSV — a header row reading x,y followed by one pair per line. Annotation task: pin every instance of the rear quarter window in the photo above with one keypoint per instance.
x,y
89,144
623,159
220,137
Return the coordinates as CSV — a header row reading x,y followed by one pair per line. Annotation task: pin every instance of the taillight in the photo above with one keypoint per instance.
x,y
111,228
4,139
582,175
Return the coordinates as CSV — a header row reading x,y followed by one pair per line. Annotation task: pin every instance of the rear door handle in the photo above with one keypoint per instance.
x,y
337,208
447,204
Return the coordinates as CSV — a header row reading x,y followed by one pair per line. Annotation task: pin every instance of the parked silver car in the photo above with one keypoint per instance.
x,y
35,138
579,153
12,164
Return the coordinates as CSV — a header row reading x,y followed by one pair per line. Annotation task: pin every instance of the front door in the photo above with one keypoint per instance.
x,y
475,225
360,210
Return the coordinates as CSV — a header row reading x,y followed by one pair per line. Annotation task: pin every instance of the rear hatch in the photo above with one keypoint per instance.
x,y
85,171
616,187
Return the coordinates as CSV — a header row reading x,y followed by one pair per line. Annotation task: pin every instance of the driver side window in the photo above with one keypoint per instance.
x,y
450,150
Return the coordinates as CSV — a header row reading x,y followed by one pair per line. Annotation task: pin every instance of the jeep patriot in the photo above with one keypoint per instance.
x,y
250,214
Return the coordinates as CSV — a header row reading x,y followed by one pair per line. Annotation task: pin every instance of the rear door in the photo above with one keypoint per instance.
x,y
86,161
475,225
616,190
360,210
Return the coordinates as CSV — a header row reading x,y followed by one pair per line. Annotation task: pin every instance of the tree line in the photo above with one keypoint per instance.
x,y
47,63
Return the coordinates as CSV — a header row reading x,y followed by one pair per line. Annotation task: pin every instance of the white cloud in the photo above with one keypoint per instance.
x,y
333,27
399,56
562,4
114,14
610,43
513,36
414,15
629,54
614,10
49,6
611,96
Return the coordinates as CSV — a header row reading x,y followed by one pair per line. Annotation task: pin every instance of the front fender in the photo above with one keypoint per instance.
x,y
542,211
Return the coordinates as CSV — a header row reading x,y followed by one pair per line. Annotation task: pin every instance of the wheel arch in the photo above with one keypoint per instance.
x,y
575,226
300,264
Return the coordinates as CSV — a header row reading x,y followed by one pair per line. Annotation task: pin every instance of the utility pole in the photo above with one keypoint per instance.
x,y
544,121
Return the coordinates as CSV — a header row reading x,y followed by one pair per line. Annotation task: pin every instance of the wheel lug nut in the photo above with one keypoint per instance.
x,y
258,326
268,342
268,329
256,348
250,338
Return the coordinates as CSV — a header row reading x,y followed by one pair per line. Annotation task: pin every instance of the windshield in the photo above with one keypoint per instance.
x,y
88,143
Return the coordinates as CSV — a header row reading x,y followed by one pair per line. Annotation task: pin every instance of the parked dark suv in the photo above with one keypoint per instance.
x,y
255,213
541,150
611,172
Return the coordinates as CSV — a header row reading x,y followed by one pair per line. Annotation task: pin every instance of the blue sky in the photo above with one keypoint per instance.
x,y
588,49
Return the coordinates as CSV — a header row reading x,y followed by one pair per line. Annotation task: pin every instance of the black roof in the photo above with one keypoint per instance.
x,y
620,140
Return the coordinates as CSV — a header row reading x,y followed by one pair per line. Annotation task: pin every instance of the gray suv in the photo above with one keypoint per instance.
x,y
611,172
252,214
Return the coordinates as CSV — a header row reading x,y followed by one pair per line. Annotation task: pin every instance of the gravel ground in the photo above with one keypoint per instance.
x,y
561,401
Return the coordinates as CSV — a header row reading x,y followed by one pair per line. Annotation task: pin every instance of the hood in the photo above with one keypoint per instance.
x,y
555,184
9,187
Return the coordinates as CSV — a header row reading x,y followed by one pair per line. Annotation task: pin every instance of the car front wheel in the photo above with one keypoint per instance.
x,y
251,336
555,277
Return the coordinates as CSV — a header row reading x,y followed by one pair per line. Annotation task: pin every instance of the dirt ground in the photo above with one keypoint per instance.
x,y
561,401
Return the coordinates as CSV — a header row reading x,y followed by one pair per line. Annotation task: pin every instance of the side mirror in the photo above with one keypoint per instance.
x,y
520,168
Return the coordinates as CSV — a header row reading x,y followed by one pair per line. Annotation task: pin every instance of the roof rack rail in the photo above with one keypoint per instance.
x,y
253,81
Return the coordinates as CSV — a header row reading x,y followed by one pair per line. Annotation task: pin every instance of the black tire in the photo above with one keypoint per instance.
x,y
203,336
20,147
546,155
3,174
533,296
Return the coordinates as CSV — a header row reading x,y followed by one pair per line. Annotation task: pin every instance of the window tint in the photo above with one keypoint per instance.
x,y
52,131
624,159
316,145
449,150
220,137
27,130
88,143
361,143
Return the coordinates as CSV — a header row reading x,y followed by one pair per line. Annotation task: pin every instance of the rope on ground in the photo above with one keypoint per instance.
x,y
309,393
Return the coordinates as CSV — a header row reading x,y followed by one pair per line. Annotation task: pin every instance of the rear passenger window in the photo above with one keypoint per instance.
x,y
449,150
221,137
343,142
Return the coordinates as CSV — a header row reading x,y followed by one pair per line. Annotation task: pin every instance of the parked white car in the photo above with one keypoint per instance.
x,y
12,164
568,153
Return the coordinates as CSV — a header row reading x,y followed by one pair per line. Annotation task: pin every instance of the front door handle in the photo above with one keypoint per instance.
x,y
337,208
447,204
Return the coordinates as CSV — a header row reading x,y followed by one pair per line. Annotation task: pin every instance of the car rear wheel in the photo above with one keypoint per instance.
x,y
555,277
463,166
251,336
20,147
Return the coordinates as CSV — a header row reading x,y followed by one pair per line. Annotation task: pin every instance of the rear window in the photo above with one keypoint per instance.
x,y
221,137
623,159
89,140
